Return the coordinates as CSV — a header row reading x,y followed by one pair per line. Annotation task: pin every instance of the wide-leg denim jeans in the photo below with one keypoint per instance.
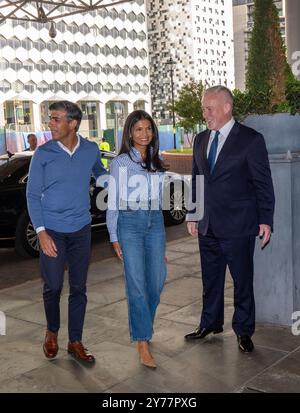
x,y
142,238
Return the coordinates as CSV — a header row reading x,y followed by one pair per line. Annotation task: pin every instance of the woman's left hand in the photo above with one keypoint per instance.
x,y
118,250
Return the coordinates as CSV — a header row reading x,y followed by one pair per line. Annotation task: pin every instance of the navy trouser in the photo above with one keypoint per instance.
x,y
237,253
74,249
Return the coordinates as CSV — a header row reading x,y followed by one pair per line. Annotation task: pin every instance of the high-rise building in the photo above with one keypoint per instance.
x,y
197,36
98,59
289,17
292,11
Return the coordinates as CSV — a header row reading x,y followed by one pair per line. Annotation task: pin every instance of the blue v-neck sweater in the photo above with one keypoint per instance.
x,y
58,185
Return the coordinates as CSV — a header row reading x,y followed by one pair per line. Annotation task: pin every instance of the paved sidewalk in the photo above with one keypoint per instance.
x,y
213,365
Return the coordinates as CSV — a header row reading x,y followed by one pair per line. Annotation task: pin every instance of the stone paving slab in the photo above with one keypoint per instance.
x,y
282,377
211,365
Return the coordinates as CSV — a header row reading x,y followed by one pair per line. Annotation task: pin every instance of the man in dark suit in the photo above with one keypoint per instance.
x,y
238,206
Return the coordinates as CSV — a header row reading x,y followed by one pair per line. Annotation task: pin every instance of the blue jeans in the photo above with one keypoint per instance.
x,y
142,238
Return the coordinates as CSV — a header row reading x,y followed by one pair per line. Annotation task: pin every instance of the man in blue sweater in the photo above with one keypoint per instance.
x,y
59,203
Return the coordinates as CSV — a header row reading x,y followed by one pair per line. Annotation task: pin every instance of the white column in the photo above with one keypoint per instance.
x,y
148,106
2,118
130,107
102,116
36,118
98,117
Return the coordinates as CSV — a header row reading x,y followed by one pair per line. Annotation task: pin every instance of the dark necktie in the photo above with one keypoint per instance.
x,y
213,152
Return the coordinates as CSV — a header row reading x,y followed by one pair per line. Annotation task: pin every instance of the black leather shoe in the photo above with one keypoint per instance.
x,y
202,332
245,344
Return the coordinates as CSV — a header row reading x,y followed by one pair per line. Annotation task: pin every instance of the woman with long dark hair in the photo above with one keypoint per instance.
x,y
136,226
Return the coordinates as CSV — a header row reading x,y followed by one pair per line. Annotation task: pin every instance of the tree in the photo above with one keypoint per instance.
x,y
188,107
268,71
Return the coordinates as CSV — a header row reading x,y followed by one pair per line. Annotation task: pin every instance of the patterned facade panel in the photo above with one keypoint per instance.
x,y
74,61
176,30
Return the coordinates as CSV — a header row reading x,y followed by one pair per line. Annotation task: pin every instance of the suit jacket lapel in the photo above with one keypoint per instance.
x,y
203,155
226,149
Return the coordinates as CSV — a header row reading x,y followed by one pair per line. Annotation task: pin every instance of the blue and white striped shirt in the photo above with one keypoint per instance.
x,y
131,187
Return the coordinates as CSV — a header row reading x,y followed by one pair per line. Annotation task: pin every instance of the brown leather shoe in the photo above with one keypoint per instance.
x,y
77,350
50,346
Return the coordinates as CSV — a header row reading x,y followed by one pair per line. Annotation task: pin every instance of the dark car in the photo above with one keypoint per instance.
x,y
15,223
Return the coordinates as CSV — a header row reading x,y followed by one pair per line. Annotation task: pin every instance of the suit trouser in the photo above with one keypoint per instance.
x,y
74,249
237,253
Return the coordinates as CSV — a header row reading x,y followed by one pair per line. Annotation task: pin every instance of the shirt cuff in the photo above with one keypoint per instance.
x,y
113,237
39,229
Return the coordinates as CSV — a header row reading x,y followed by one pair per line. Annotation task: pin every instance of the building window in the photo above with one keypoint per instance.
x,y
4,86
116,70
141,18
18,113
86,68
114,120
88,87
143,53
98,87
42,87
107,69
30,87
142,36
16,64
116,51
133,53
55,87
135,88
123,33
89,124
117,88
66,87
132,35
145,88
3,64
134,71
131,17
76,67
77,87
126,88
108,88
17,86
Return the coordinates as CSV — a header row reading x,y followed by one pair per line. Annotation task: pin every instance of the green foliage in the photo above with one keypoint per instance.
x,y
293,95
188,106
182,151
246,103
268,72
241,104
260,53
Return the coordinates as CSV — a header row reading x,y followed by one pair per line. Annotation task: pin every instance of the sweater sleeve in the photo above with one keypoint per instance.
x,y
34,190
112,213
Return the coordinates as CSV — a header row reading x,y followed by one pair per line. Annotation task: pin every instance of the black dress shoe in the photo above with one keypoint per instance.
x,y
202,332
245,344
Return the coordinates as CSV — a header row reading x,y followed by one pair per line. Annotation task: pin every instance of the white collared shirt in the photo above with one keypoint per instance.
x,y
224,132
64,148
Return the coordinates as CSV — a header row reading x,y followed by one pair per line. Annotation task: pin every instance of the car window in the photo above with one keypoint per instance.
x,y
11,166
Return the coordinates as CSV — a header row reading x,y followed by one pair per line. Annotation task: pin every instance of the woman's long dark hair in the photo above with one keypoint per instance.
x,y
152,162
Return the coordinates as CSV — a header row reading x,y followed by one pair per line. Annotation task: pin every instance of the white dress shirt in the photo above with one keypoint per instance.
x,y
224,132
